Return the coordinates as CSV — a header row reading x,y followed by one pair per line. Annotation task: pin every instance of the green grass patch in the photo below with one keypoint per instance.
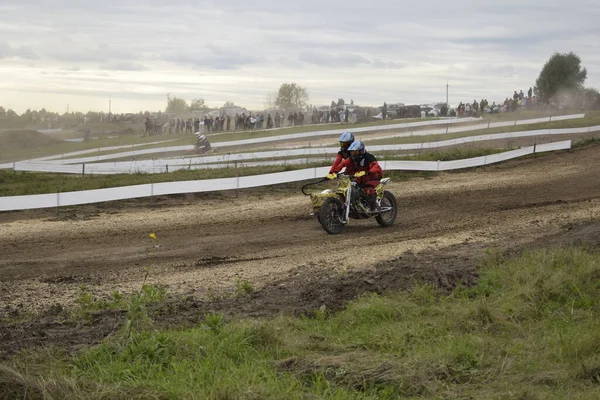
x,y
17,183
25,145
239,135
169,141
528,329
456,153
591,119
25,183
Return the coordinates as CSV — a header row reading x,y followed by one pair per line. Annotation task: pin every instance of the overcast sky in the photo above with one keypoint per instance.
x,y
81,53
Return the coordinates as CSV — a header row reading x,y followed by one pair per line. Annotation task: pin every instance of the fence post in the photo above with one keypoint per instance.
x,y
83,169
237,180
167,168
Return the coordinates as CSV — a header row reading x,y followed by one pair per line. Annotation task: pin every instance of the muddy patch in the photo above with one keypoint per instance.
x,y
304,290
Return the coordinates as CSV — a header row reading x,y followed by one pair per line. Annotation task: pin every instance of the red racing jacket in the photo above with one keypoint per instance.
x,y
368,163
341,156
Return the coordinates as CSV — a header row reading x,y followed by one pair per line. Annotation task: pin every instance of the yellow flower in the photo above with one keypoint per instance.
x,y
152,236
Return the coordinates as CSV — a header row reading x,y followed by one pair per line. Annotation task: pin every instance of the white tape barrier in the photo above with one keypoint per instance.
x,y
157,169
100,149
259,140
489,125
210,185
240,142
76,153
389,127
226,161
95,159
309,134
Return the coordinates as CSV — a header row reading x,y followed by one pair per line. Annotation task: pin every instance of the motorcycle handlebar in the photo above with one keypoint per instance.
x,y
312,183
323,180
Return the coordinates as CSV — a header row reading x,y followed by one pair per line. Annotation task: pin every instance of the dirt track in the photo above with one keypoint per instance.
x,y
208,243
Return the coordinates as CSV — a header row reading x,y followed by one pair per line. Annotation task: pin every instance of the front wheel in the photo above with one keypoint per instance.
x,y
331,215
387,218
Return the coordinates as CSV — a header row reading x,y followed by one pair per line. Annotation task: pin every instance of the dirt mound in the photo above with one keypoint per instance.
x,y
24,138
311,287
303,291
577,234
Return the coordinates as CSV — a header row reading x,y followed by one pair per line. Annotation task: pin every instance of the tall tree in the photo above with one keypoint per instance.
x,y
197,105
229,104
291,95
176,105
561,71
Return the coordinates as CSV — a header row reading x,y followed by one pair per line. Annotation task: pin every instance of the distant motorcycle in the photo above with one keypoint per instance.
x,y
202,144
334,208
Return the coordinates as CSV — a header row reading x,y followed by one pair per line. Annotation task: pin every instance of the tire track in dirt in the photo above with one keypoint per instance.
x,y
445,224
261,238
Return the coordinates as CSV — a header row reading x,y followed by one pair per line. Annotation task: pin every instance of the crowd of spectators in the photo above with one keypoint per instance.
x,y
577,100
220,121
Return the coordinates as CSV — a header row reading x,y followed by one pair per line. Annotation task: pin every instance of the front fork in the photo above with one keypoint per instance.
x,y
348,202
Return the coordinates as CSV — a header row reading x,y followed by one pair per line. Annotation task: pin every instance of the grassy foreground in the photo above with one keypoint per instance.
x,y
528,330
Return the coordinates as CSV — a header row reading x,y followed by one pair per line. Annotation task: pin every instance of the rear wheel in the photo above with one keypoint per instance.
x,y
331,215
388,218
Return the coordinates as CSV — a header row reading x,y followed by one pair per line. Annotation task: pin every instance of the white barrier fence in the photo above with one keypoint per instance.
x,y
155,189
61,158
239,160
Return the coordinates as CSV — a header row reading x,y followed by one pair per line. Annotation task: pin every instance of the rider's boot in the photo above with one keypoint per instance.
x,y
374,203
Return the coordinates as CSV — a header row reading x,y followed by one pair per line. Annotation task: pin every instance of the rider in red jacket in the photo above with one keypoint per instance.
x,y
345,141
365,168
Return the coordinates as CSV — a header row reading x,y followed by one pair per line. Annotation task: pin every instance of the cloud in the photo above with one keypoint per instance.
x,y
23,52
68,50
212,56
335,60
123,66
345,60
243,49
388,64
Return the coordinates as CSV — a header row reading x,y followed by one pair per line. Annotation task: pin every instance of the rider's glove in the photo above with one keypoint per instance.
x,y
332,175
360,174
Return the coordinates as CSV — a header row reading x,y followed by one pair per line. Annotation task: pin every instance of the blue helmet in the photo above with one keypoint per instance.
x,y
357,150
346,140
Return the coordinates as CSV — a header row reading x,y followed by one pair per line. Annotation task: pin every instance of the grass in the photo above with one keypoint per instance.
x,y
25,183
23,150
18,151
170,141
238,135
14,150
529,329
17,183
591,119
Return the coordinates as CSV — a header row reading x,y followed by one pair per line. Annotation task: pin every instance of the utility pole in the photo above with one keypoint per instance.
x,y
67,108
447,105
109,105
